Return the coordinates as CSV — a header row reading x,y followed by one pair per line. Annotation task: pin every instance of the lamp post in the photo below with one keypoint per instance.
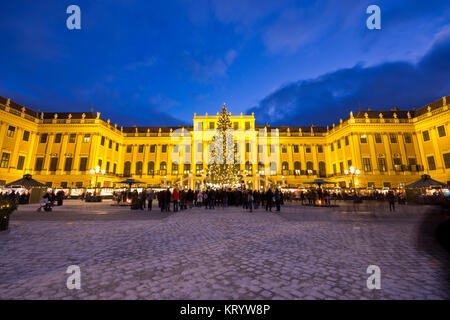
x,y
353,173
96,171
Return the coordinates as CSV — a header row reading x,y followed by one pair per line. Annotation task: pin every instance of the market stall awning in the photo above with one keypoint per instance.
x,y
425,182
26,182
319,182
130,182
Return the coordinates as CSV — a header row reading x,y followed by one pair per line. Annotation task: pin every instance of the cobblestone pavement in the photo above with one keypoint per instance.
x,y
300,253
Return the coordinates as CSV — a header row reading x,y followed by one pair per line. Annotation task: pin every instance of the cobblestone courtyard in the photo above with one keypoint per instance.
x,y
300,253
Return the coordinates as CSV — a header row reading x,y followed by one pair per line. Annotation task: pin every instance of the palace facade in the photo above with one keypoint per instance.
x,y
390,148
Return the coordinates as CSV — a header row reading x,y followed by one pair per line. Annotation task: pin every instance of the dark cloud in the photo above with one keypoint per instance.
x,y
327,98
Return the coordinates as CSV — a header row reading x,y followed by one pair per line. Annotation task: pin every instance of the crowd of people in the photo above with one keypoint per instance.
x,y
210,198
15,197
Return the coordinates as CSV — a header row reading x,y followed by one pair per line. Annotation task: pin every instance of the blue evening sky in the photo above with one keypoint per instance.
x,y
291,62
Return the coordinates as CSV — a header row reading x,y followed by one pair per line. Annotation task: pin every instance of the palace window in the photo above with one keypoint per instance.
x,y
211,125
115,168
100,162
283,148
248,167
117,146
26,135
319,148
11,131
83,164
152,148
39,163
412,161
199,168
332,147
102,141
187,168
58,138
151,168
377,138
53,164
309,167
139,168
397,163
447,160
349,163
297,168
382,164
164,148
87,138
107,167
322,169
341,167
43,138
68,165
285,166
199,147
247,147
127,169
247,125
72,137
141,148
20,163
426,135
163,168
295,148
110,143
431,163
79,184
367,166
129,148
346,140
236,125
363,138
261,168
5,160
441,131
273,168
339,144
334,169
308,148
260,148
175,168
200,126
393,137
407,137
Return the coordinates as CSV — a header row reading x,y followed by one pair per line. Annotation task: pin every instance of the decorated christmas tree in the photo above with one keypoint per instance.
x,y
222,167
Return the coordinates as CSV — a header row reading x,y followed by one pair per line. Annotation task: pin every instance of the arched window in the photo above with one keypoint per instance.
x,y
309,167
199,168
248,167
174,168
127,169
151,168
322,169
187,168
261,168
273,168
139,168
285,166
163,168
297,168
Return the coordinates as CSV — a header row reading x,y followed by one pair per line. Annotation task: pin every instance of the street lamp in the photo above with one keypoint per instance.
x,y
353,173
96,171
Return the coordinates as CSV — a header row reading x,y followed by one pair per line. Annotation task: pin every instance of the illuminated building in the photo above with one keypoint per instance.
x,y
390,148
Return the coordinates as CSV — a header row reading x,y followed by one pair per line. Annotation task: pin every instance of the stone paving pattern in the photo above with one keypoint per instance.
x,y
300,253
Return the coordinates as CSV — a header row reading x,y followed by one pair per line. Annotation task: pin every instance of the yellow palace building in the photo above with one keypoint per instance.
x,y
390,148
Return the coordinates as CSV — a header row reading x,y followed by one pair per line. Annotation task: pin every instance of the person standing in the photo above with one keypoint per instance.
x,y
143,199
277,199
150,199
176,197
168,198
269,196
391,198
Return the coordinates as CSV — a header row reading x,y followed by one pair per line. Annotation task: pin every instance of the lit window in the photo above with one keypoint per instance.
x,y
363,138
87,138
5,160
11,131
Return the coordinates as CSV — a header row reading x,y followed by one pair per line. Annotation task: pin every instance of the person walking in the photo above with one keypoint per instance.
x,y
143,199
